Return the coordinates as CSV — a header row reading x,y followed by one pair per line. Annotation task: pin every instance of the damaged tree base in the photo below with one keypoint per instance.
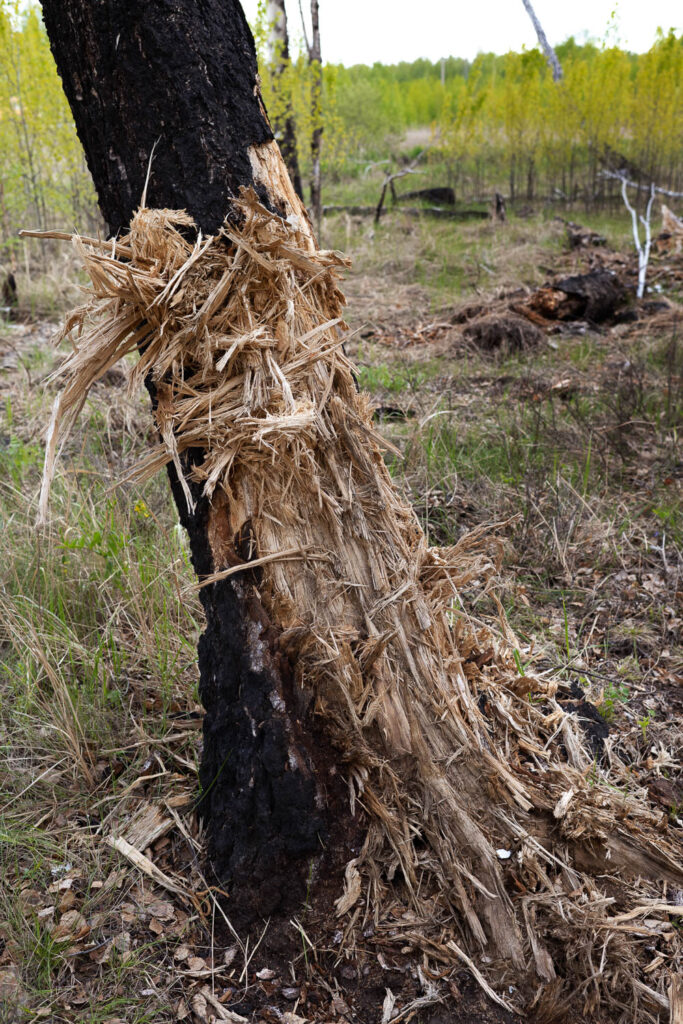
x,y
478,828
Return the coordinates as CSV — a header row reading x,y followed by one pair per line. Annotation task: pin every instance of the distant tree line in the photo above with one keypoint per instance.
x,y
501,122
507,124
497,123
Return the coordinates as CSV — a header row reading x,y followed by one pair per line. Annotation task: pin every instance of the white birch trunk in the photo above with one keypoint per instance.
x,y
550,54
642,250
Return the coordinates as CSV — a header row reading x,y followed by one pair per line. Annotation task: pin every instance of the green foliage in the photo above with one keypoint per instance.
x,y
645,722
497,123
291,88
612,697
512,127
44,180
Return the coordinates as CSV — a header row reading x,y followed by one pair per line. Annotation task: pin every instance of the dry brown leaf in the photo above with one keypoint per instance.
x,y
162,910
60,885
196,965
11,991
103,954
31,898
198,1006
265,974
67,901
72,925
122,942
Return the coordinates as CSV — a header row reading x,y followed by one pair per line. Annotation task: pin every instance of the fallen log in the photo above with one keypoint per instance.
x,y
441,196
579,237
355,211
410,211
595,297
445,214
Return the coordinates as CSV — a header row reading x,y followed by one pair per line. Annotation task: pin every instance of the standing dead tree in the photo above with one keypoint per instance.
x,y
283,122
642,248
359,724
315,61
550,55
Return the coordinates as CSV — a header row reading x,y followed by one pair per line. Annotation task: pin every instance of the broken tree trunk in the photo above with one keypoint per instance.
x,y
475,826
180,93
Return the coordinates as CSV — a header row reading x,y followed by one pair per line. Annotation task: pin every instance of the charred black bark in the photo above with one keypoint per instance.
x,y
173,75
179,77
262,813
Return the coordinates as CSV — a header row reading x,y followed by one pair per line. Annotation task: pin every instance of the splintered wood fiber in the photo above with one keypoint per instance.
x,y
509,847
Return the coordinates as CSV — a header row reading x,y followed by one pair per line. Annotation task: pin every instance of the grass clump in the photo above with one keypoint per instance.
x,y
98,636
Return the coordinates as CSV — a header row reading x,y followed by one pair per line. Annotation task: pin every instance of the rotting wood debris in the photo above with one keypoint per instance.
x,y
489,821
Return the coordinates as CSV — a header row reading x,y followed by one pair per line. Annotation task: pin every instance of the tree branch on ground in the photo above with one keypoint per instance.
x,y
621,177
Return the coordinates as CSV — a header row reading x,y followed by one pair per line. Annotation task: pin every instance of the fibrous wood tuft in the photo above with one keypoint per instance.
x,y
492,838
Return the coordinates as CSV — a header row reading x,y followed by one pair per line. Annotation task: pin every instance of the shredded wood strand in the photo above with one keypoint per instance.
x,y
453,757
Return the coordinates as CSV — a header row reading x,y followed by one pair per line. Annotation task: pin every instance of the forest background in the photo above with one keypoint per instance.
x,y
497,123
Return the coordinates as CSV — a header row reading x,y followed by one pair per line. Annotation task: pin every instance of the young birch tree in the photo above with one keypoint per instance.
x,y
315,61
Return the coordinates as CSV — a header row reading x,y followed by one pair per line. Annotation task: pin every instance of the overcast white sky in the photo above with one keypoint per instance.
x,y
364,31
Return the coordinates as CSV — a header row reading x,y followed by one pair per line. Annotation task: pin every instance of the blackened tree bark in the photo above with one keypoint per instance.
x,y
174,83
284,122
